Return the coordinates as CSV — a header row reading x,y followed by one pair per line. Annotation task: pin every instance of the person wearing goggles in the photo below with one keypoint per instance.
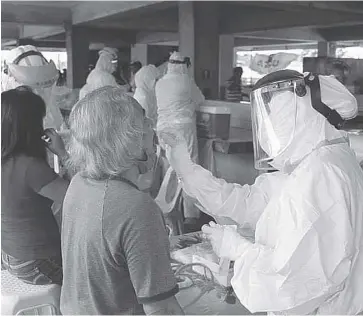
x,y
102,75
178,97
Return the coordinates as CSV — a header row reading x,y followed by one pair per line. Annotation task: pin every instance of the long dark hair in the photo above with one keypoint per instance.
x,y
22,113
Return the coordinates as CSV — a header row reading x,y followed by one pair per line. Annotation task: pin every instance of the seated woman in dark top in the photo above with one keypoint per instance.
x,y
30,237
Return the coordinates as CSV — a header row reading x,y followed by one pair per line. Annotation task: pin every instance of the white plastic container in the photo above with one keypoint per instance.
x,y
213,121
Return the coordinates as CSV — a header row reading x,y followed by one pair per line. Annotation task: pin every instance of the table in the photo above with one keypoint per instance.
x,y
196,301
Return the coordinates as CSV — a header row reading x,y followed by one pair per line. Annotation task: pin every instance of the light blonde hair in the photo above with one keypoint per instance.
x,y
106,133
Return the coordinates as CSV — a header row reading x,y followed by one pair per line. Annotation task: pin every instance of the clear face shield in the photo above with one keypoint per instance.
x,y
274,109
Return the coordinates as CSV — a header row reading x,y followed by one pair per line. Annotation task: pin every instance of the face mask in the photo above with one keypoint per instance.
x,y
276,133
147,170
148,166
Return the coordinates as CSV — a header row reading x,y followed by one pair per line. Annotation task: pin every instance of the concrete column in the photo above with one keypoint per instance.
x,y
199,39
158,54
186,31
77,45
326,49
226,59
139,53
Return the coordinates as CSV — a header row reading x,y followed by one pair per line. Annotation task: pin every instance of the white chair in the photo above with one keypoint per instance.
x,y
168,200
19,298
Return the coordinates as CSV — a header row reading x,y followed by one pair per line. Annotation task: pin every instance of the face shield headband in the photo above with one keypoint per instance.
x,y
22,56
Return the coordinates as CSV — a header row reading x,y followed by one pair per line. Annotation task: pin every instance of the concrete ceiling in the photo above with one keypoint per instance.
x,y
156,22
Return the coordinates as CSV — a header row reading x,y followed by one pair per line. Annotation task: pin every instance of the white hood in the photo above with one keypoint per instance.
x,y
311,128
145,80
41,76
104,62
177,68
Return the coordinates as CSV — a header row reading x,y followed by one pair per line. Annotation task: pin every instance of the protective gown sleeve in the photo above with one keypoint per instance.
x,y
311,253
243,204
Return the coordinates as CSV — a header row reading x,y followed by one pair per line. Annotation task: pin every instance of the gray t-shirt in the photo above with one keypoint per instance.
x,y
115,249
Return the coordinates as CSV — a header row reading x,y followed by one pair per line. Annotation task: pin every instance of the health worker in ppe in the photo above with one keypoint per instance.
x,y
27,66
307,218
145,80
102,74
178,97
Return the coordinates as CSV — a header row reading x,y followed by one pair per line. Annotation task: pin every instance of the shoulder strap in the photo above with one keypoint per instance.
x,y
333,117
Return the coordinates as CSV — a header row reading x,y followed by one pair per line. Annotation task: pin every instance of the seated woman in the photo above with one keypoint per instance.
x,y
31,247
114,244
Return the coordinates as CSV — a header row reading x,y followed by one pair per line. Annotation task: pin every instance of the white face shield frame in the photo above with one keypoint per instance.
x,y
274,111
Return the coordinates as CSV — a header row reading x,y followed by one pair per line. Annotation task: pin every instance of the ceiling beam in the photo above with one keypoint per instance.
x,y
279,47
348,33
96,10
42,44
298,6
10,30
152,23
241,41
290,34
156,37
8,43
338,6
238,22
275,5
28,14
41,31
97,35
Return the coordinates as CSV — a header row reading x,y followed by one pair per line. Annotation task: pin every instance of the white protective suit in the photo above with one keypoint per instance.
x,y
145,80
308,252
39,74
163,69
178,98
101,76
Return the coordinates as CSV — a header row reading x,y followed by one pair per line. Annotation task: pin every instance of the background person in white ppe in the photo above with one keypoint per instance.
x,y
178,97
102,74
307,254
27,66
145,80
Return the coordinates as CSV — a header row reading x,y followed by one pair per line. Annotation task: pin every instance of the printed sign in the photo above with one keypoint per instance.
x,y
265,64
